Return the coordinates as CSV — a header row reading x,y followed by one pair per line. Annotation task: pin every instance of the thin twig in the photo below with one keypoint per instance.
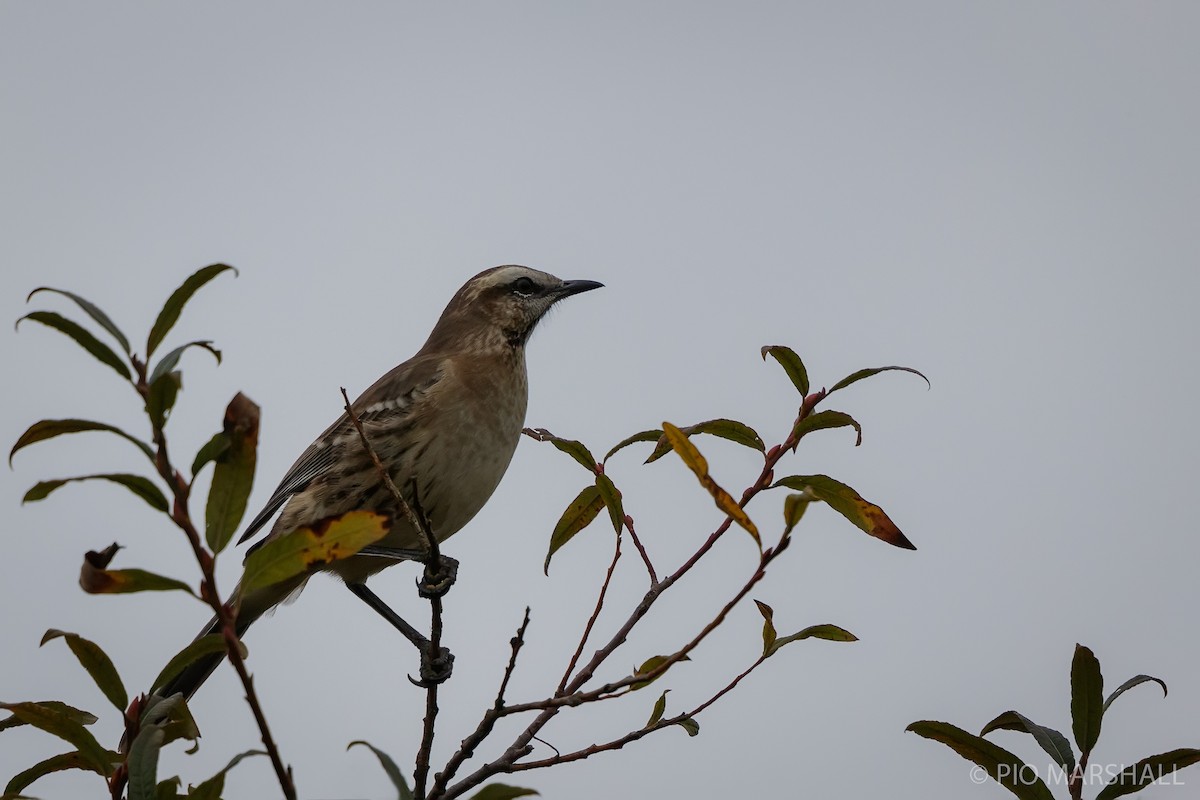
x,y
587,630
641,550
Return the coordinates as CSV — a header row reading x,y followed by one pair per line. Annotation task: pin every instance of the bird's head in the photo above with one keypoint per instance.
x,y
500,307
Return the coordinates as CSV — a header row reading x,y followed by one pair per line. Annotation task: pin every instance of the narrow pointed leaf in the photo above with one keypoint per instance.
x,y
794,506
178,299
168,362
823,420
850,504
729,429
307,548
161,397
143,763
699,466
96,579
660,707
56,706
62,725
690,725
576,450
791,364
1136,680
830,633
1148,771
1050,740
211,644
855,377
50,428
233,475
83,337
97,663
501,791
92,310
213,449
168,789
65,761
769,634
642,436
577,516
139,485
611,496
214,787
1087,699
389,766
648,666
1005,768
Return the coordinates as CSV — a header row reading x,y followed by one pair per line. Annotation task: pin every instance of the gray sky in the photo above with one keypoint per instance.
x,y
1002,195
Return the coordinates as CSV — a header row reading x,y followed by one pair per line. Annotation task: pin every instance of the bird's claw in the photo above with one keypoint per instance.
x,y
438,578
435,669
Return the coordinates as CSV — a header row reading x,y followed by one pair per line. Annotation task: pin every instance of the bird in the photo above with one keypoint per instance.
x,y
445,424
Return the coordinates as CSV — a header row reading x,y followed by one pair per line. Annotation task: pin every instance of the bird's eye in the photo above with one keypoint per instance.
x,y
524,285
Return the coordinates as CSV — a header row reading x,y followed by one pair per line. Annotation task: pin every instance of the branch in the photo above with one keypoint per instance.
x,y
587,630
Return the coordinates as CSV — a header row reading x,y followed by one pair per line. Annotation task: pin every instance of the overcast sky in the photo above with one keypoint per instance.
x,y
1002,195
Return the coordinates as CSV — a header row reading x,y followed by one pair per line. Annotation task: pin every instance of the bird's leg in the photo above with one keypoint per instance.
x,y
445,574
435,667
440,570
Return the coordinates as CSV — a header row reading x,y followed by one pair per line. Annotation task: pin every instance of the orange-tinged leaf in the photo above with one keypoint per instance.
x,y
95,578
310,547
850,504
699,466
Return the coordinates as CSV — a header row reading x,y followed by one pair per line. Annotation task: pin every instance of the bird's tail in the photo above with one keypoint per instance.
x,y
249,609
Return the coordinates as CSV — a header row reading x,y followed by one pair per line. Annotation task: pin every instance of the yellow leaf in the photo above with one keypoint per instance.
x,y
696,463
308,548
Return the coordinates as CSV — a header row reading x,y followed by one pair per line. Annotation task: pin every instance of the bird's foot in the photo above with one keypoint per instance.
x,y
438,578
435,669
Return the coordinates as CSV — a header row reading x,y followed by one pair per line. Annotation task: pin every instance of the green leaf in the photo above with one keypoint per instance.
x,y
168,789
96,578
97,663
794,506
57,763
141,486
160,399
1005,768
66,727
611,496
648,666
823,420
1147,771
213,449
82,337
233,475
690,725
167,363
1050,740
660,707
830,633
699,466
1087,699
50,428
577,516
178,299
389,766
1136,680
309,547
769,634
212,788
642,436
500,791
855,377
791,364
56,706
208,645
143,763
92,310
850,504
172,715
729,429
576,450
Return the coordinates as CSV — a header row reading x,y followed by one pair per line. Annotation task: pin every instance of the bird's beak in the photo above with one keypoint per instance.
x,y
569,288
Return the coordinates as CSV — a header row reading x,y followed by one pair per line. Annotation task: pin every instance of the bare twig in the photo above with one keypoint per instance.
x,y
641,550
587,630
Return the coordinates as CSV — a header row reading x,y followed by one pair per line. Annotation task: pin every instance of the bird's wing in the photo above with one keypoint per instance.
x,y
390,398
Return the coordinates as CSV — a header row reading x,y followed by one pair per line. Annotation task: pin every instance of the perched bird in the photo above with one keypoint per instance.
x,y
445,423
